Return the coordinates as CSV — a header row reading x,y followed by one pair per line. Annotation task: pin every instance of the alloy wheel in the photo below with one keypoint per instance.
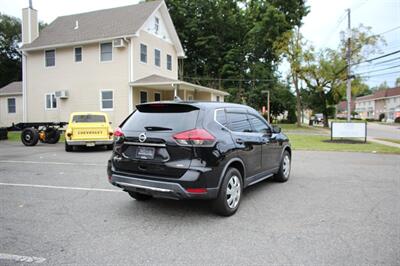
x,y
233,192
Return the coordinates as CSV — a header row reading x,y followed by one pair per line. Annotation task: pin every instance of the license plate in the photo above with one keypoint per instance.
x,y
146,153
90,144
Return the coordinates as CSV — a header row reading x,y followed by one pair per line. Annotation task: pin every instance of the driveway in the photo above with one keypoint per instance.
x,y
337,208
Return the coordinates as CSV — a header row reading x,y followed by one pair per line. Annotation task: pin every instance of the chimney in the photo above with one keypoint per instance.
x,y
30,25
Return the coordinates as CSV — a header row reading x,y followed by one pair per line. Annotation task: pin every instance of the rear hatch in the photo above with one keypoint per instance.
x,y
89,127
148,146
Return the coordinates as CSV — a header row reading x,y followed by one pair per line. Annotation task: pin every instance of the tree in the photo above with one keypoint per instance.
x,y
10,58
230,45
397,83
324,71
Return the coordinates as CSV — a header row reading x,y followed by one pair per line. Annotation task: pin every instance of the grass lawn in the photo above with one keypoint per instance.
x,y
391,140
323,143
16,136
294,127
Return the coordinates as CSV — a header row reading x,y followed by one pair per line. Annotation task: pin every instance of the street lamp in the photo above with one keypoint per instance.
x,y
268,110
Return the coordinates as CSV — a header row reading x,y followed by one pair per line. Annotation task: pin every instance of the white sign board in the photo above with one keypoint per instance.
x,y
348,130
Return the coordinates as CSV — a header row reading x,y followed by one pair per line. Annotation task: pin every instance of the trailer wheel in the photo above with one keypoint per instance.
x,y
52,136
29,136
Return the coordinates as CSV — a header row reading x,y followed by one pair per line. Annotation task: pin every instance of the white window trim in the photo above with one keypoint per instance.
x,y
51,103
147,96
190,96
157,92
101,101
140,53
55,57
166,65
15,100
73,54
112,52
155,58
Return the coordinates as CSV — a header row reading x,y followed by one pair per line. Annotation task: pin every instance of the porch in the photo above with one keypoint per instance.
x,y
158,88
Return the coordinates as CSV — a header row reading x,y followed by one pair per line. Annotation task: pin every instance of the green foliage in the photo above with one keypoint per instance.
x,y
230,44
10,58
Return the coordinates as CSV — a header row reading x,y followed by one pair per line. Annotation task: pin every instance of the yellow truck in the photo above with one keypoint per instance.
x,y
88,129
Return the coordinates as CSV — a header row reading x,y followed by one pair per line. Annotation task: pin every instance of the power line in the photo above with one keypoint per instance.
x,y
228,79
376,58
377,70
381,74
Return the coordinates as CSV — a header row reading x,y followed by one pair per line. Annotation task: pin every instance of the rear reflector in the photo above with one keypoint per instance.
x,y
195,136
196,190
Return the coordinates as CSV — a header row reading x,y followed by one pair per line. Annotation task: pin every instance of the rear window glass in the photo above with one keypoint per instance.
x,y
171,121
88,119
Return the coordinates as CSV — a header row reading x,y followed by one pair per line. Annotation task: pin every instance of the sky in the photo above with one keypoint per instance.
x,y
321,27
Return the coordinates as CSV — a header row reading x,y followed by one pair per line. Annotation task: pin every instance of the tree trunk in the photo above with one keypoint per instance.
x,y
298,99
326,122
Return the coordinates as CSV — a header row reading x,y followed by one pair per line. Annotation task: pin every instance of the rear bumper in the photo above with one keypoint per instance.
x,y
85,142
158,189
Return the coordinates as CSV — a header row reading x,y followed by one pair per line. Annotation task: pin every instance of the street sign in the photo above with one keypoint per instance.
x,y
348,130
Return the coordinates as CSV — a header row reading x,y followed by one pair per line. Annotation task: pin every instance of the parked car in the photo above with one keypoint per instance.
x,y
88,129
197,150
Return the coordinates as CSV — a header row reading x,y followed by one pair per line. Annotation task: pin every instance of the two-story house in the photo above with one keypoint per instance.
x,y
107,60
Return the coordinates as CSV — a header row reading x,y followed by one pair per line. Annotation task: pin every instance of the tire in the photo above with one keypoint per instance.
x,y
139,196
29,136
52,136
68,148
284,168
227,203
110,147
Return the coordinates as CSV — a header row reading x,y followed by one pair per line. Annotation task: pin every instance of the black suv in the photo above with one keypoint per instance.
x,y
197,150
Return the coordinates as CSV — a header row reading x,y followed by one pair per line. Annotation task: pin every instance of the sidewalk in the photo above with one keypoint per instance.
x,y
387,143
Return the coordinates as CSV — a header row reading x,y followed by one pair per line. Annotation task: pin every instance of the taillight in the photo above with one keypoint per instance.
x,y
195,136
118,132
118,135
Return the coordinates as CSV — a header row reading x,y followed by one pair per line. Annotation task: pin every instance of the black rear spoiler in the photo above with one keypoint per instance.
x,y
166,107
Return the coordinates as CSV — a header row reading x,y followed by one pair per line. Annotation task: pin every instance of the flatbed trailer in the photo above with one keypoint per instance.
x,y
33,132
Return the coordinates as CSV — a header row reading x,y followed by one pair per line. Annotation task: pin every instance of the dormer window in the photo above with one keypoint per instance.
x,y
156,25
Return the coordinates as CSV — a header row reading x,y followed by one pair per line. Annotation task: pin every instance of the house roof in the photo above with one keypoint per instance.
x,y
381,94
342,106
160,82
95,25
13,88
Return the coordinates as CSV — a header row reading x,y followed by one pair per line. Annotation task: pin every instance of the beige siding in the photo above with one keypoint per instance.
x,y
83,81
142,70
7,119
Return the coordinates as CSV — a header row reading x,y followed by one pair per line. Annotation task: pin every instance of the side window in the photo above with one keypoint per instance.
x,y
105,52
11,105
220,117
157,57
169,62
51,101
143,53
78,54
238,122
143,97
50,58
107,100
258,125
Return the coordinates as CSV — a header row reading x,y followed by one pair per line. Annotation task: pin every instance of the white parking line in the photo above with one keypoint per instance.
x,y
19,258
56,163
60,187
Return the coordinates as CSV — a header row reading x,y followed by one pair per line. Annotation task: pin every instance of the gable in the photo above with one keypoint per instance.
x,y
150,27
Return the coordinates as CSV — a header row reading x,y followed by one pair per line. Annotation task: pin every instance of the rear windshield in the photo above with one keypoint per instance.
x,y
88,119
171,121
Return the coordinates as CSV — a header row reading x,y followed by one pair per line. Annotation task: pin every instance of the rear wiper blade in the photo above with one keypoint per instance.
x,y
155,128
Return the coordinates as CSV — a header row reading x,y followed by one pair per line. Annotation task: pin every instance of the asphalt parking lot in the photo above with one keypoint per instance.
x,y
58,207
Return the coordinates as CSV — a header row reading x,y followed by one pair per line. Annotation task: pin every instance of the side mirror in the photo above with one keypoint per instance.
x,y
276,129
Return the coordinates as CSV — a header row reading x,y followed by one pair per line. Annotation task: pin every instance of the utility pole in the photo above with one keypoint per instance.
x,y
348,56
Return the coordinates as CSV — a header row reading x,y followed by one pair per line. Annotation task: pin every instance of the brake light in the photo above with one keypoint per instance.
x,y
195,136
118,133
196,190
